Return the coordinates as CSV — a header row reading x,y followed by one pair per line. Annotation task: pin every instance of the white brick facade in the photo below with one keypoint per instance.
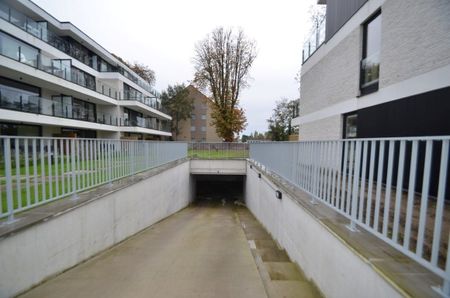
x,y
415,41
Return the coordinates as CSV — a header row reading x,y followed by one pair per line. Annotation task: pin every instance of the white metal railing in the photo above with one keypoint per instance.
x,y
394,188
218,150
35,171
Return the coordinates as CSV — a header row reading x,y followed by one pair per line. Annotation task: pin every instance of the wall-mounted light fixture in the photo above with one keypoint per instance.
x,y
251,167
259,175
278,194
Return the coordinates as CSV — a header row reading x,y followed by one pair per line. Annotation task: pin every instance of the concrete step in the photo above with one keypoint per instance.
x,y
283,271
281,277
292,289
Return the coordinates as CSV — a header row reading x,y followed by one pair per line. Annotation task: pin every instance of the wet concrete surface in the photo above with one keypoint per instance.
x,y
214,248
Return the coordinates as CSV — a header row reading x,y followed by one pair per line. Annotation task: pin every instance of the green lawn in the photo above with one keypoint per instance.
x,y
217,154
31,197
85,178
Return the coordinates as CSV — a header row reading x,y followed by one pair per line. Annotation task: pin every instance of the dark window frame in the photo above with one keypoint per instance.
x,y
372,87
39,127
344,125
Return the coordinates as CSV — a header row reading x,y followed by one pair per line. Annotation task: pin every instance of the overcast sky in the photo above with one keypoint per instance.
x,y
163,34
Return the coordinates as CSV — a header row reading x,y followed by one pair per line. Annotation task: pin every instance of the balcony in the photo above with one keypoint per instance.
x,y
40,30
315,39
22,102
145,122
151,102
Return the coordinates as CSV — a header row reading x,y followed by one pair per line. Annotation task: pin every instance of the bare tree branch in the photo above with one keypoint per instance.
x,y
222,63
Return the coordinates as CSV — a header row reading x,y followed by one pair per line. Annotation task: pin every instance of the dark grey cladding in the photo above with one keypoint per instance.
x,y
339,12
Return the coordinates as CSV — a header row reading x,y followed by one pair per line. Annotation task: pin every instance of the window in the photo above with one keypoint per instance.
x,y
83,110
130,93
62,106
17,96
82,78
370,63
192,128
61,68
203,128
203,117
350,126
17,50
13,129
131,118
192,116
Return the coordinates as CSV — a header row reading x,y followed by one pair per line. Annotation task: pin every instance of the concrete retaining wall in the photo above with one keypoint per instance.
x,y
50,247
325,259
218,166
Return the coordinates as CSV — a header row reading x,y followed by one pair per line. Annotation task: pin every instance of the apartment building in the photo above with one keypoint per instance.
x,y
198,127
56,81
377,68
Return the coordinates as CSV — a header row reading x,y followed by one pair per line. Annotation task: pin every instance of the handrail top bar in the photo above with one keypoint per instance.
x,y
87,139
205,143
417,138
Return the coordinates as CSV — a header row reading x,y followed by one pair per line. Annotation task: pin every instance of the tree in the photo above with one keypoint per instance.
x,y
280,122
178,103
222,63
317,13
255,136
142,70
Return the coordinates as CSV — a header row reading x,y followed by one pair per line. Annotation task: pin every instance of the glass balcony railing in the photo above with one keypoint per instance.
x,y
315,40
148,101
140,82
370,70
71,48
151,123
62,68
107,90
23,102
107,119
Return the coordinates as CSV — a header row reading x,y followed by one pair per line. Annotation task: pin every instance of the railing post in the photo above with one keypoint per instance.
x,y
109,163
74,175
9,187
313,153
444,289
354,206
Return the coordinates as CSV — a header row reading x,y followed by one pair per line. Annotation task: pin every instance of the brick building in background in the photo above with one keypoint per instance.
x,y
198,128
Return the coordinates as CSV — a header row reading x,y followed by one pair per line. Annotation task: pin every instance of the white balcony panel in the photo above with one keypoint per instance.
x,y
30,118
143,108
137,129
122,78
28,74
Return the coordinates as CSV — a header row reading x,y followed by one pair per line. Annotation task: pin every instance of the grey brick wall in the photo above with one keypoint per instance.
x,y
335,78
325,129
415,38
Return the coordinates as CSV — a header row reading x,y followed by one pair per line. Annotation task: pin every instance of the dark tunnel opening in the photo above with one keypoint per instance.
x,y
218,188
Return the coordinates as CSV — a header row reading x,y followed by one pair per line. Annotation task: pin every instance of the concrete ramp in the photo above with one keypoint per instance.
x,y
201,251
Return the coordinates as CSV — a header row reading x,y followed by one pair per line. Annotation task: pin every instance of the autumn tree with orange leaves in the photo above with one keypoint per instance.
x,y
222,63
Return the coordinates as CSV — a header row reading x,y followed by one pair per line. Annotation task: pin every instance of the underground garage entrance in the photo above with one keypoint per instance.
x,y
221,189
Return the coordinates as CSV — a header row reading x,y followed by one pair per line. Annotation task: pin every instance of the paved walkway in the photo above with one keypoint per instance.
x,y
202,251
